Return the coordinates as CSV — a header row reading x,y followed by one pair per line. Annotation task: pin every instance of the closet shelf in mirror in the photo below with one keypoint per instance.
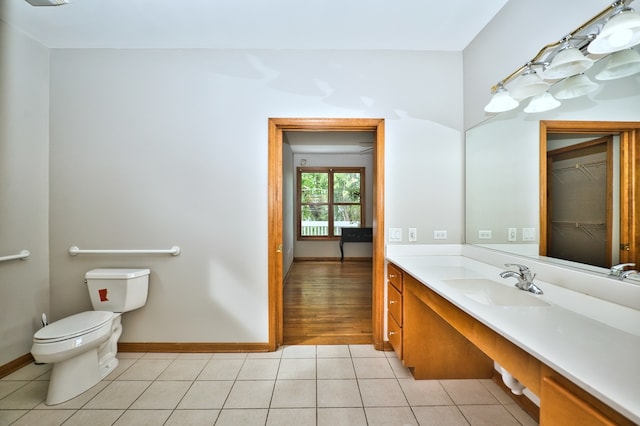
x,y
586,227
582,168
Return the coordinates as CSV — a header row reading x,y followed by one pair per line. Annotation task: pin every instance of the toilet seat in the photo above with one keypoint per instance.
x,y
73,326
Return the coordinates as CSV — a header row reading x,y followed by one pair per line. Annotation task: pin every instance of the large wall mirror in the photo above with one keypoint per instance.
x,y
544,185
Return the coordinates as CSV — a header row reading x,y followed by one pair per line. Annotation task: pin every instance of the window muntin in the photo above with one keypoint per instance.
x,y
329,199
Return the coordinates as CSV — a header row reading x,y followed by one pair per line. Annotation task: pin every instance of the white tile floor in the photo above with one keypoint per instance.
x,y
297,385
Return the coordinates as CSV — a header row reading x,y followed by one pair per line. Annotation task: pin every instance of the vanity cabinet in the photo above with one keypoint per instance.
x,y
440,341
433,349
562,402
394,308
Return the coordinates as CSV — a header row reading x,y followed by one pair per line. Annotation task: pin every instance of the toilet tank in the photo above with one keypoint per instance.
x,y
118,289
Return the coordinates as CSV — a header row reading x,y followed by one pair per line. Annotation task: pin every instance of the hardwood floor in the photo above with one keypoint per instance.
x,y
328,303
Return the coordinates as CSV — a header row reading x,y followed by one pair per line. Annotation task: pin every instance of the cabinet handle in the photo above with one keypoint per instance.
x,y
391,302
391,333
392,275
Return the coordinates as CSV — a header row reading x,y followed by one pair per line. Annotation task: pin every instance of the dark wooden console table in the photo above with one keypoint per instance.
x,y
354,235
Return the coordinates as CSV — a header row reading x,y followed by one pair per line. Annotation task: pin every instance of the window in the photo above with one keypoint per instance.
x,y
329,199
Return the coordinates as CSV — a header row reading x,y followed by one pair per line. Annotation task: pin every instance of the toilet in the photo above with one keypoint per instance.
x,y
83,347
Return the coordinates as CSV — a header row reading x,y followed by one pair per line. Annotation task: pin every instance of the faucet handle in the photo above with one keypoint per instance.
x,y
522,268
621,266
617,270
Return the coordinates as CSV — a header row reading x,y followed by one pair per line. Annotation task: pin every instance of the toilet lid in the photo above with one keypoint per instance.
x,y
73,326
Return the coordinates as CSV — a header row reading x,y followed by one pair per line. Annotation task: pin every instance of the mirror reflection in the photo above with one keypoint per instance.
x,y
509,206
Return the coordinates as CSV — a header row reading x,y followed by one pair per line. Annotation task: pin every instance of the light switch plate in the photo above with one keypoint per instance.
x,y
395,234
528,234
413,234
512,234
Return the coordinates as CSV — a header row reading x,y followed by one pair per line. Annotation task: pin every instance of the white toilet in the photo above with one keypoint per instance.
x,y
83,347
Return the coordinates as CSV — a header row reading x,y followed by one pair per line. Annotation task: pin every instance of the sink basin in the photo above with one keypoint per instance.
x,y
489,292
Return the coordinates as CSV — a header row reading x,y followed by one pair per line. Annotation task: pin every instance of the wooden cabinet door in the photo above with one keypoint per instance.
x,y
559,406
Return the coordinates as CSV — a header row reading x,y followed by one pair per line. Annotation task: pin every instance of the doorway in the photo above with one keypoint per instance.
x,y
277,126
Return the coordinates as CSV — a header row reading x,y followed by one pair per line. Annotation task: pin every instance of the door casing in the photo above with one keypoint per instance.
x,y
629,177
276,128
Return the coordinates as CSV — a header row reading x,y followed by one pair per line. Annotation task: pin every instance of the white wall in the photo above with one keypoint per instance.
x,y
151,148
288,209
511,39
24,119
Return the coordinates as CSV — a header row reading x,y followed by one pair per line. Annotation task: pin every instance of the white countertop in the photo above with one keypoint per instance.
x,y
598,356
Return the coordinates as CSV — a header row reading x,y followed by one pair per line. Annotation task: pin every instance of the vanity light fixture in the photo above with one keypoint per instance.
x,y
621,31
528,84
616,28
541,103
621,64
501,101
575,86
567,62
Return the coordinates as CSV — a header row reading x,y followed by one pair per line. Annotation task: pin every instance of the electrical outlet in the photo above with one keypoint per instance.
x,y
512,234
395,234
528,234
413,234
484,234
440,235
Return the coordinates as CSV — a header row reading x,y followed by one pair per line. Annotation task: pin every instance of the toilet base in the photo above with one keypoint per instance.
x,y
72,377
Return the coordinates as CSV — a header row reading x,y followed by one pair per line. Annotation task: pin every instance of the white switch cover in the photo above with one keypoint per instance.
x,y
512,234
395,234
485,234
440,235
413,234
528,234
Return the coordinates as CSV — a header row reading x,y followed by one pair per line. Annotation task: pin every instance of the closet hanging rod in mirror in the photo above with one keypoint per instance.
x,y
22,256
75,250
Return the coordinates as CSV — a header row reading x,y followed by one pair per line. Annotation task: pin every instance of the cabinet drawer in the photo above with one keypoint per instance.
x,y
394,275
395,335
394,303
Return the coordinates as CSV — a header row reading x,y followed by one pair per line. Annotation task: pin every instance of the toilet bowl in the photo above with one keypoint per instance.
x,y
83,347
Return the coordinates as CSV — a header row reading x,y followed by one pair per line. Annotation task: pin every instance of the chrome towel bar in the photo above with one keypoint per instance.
x,y
74,250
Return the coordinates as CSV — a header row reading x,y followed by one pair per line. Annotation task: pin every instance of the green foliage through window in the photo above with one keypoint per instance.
x,y
329,199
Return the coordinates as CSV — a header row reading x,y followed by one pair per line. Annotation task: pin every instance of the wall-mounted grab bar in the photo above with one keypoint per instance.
x,y
22,256
74,250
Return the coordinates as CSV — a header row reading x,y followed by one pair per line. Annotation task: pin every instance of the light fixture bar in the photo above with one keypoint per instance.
x,y
542,58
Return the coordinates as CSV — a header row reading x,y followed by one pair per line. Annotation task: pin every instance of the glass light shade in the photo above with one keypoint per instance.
x,y
527,85
575,86
621,64
621,31
567,62
501,101
543,102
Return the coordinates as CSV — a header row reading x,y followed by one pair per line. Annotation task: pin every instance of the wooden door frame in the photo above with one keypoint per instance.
x,y
629,177
276,128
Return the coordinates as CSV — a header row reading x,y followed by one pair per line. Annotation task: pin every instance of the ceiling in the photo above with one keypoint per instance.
x,y
330,142
254,24
260,24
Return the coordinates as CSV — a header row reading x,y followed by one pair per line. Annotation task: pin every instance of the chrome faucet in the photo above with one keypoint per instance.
x,y
524,277
620,272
